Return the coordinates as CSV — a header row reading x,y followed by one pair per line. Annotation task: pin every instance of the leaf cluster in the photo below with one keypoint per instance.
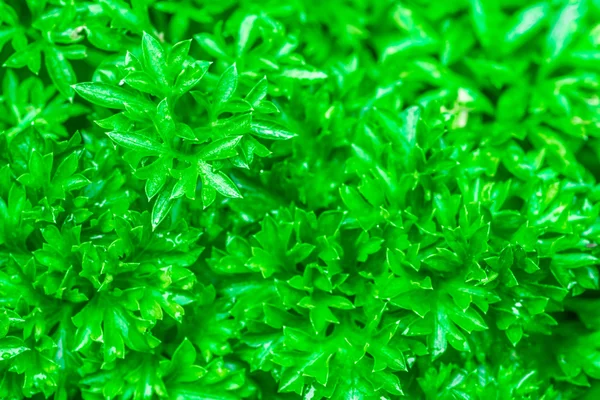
x,y
299,199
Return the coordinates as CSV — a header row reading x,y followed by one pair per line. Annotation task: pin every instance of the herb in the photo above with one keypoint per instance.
x,y
299,200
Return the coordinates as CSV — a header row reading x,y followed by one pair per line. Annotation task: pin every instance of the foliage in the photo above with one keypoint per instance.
x,y
363,199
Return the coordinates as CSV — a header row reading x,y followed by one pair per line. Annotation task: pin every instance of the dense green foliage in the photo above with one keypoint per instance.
x,y
285,199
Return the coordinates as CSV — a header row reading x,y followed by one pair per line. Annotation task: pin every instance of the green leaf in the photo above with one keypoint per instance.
x,y
4,324
111,96
60,71
209,194
210,45
161,208
245,32
219,182
483,14
563,28
141,81
155,174
258,92
186,185
136,141
269,130
11,347
220,149
154,58
164,121
29,56
74,52
524,25
573,260
177,56
303,75
190,76
226,86
234,126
